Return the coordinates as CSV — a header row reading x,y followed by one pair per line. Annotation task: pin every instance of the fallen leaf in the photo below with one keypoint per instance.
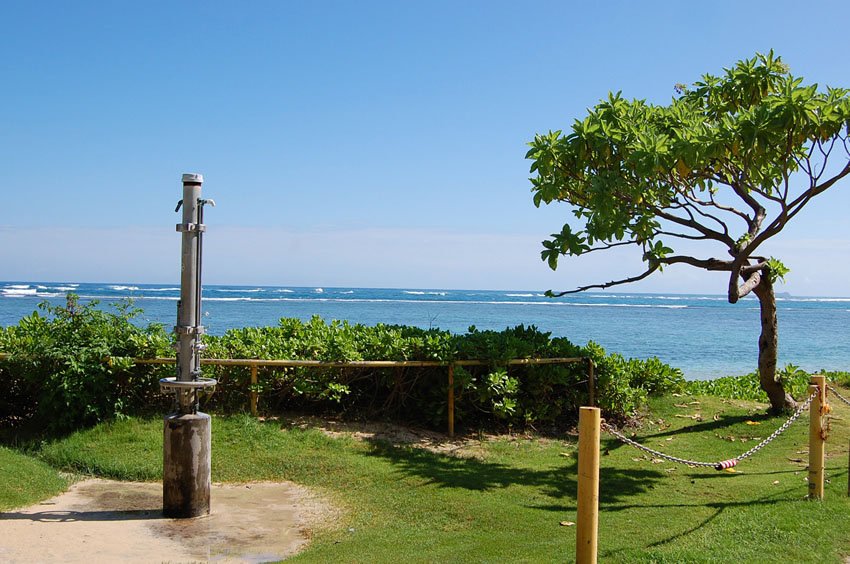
x,y
680,405
656,461
677,395
731,470
670,470
716,417
566,454
753,423
567,523
669,438
694,403
775,482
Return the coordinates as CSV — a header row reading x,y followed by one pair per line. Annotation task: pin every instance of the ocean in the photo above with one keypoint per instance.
x,y
703,335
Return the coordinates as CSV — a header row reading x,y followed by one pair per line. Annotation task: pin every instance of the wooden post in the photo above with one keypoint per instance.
x,y
816,437
254,393
591,383
451,400
587,522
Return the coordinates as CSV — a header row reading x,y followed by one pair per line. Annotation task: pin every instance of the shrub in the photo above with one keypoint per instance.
x,y
58,372
747,387
58,369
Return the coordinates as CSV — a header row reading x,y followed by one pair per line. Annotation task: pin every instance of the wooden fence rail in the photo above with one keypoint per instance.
x,y
255,363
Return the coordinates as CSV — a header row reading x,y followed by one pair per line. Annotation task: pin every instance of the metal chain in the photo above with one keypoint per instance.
x,y
722,464
839,396
804,406
645,448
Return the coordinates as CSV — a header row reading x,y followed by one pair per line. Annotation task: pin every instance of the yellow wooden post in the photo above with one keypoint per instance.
x,y
817,436
451,400
254,393
587,522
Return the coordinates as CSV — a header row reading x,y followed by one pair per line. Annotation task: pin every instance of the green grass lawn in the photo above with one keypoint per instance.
x,y
404,504
24,480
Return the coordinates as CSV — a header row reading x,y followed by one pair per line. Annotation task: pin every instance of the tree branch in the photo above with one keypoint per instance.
x,y
650,270
749,284
607,246
795,207
711,217
684,236
743,193
712,264
752,268
693,224
713,203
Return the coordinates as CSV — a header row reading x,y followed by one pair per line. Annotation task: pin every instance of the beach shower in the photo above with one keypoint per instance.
x,y
186,476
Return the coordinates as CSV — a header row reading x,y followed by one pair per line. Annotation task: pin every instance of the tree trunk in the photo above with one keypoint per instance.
x,y
768,346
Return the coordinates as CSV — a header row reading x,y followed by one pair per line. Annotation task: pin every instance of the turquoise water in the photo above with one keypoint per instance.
x,y
702,334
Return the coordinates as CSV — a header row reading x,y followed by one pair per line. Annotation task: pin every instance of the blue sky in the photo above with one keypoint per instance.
x,y
355,143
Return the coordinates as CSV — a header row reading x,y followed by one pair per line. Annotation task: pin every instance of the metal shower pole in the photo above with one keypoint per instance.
x,y
186,475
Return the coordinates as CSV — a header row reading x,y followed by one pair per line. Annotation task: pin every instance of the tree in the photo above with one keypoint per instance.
x,y
725,166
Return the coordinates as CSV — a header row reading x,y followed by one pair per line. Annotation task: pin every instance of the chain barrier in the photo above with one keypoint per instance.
x,y
723,464
836,394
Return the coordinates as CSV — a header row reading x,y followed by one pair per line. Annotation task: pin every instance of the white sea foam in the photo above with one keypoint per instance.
x,y
520,295
348,292
234,291
423,293
162,289
285,291
18,286
124,288
18,291
319,290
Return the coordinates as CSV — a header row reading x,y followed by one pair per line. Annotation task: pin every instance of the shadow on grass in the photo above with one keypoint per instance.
x,y
722,422
472,474
718,509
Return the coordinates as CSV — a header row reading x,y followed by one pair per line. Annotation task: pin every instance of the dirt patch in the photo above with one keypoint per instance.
x,y
108,521
464,447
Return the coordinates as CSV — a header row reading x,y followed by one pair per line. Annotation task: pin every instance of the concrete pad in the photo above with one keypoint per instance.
x,y
109,521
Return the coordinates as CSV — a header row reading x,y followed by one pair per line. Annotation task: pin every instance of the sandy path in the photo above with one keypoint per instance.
x,y
107,521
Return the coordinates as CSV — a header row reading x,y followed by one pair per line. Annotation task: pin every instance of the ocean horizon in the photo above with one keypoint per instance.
x,y
702,334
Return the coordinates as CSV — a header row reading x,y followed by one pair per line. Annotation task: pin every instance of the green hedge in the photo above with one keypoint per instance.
x,y
747,387
56,372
